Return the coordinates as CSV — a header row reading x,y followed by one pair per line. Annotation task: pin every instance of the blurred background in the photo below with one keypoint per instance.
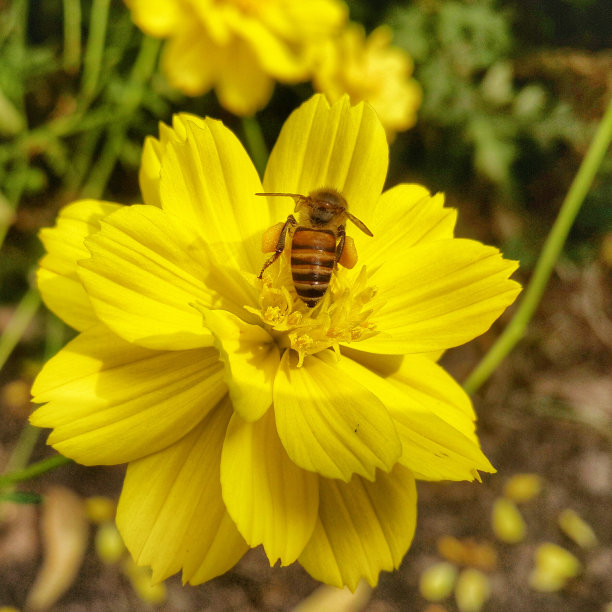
x,y
511,92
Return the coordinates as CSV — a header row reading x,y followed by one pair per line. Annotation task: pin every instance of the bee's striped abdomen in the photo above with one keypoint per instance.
x,y
313,256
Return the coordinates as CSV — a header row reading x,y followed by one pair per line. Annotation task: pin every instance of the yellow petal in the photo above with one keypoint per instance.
x,y
183,63
434,450
111,402
274,55
243,86
432,414
363,528
342,147
209,182
307,22
441,294
428,386
171,514
180,125
58,283
155,17
251,360
150,168
154,151
272,501
403,216
145,273
329,423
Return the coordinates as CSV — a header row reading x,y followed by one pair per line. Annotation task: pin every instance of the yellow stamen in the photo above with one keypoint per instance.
x,y
344,315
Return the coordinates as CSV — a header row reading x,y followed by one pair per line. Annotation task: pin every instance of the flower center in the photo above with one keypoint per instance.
x,y
343,315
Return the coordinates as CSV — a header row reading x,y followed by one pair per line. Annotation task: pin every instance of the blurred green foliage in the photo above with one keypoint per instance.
x,y
509,109
490,91
462,52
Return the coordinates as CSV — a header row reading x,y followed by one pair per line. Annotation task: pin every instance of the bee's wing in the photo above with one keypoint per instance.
x,y
360,224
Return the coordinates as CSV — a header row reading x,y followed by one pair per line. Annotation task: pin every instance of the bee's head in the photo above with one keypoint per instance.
x,y
325,206
329,198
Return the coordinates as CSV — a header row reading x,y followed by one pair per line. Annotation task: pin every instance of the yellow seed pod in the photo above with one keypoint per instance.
x,y
100,509
15,396
557,559
553,567
507,521
472,590
523,487
437,581
147,591
8,609
330,598
575,528
109,545
140,578
545,582
468,551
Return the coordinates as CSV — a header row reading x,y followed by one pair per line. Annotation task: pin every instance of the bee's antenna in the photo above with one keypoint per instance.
x,y
290,195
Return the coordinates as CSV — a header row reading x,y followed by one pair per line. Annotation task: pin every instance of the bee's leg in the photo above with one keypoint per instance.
x,y
280,245
346,253
340,246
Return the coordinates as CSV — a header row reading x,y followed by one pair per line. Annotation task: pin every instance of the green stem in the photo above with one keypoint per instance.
x,y
22,452
25,311
104,165
18,51
36,469
141,72
72,35
255,143
12,122
548,257
7,216
23,449
54,336
65,126
92,62
143,68
80,166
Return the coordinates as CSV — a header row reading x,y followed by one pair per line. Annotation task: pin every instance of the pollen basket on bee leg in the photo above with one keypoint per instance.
x,y
269,239
348,259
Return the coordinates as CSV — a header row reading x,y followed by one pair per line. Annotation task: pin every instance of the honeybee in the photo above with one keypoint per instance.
x,y
318,241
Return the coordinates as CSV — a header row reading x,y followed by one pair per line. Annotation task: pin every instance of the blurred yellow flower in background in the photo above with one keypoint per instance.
x,y
239,48
370,69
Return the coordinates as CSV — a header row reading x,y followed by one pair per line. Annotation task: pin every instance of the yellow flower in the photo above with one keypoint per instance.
x,y
238,47
371,70
247,417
